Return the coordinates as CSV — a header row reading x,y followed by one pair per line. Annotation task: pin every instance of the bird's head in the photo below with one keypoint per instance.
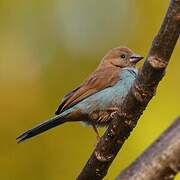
x,y
121,57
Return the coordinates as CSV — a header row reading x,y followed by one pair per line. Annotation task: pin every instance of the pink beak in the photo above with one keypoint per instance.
x,y
136,58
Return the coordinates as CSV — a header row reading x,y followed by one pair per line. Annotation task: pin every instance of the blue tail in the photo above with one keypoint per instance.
x,y
50,123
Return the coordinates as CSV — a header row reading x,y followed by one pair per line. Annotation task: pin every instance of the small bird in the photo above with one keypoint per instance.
x,y
96,100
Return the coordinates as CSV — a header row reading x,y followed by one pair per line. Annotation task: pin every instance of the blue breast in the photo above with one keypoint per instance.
x,y
109,97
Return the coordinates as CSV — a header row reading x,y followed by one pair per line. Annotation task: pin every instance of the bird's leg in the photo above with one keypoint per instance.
x,y
97,133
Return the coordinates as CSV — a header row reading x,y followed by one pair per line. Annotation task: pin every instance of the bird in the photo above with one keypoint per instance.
x,y
98,98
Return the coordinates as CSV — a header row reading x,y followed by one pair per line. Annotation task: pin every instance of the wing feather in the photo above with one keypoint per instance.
x,y
97,81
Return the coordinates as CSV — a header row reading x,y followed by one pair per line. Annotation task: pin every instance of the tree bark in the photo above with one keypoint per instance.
x,y
138,97
160,161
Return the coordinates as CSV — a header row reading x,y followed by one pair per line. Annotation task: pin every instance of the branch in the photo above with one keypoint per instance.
x,y
138,97
160,161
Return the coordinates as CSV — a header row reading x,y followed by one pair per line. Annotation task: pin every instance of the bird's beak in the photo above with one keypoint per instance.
x,y
136,58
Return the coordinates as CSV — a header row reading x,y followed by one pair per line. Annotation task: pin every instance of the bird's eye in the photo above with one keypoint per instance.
x,y
123,56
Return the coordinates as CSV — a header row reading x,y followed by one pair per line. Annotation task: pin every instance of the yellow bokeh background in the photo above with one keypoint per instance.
x,y
49,47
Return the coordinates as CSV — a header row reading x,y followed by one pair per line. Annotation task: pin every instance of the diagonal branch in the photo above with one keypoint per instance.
x,y
137,99
160,161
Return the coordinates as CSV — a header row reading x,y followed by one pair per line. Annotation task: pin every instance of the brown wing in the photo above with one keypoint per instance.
x,y
97,81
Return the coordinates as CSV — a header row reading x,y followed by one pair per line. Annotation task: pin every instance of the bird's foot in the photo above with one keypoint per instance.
x,y
113,111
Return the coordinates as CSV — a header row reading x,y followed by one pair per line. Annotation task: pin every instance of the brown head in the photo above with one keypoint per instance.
x,y
121,57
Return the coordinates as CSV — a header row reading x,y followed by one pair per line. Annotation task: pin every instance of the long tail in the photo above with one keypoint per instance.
x,y
50,123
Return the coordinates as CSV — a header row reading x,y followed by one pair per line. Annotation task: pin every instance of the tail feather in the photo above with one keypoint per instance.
x,y
50,123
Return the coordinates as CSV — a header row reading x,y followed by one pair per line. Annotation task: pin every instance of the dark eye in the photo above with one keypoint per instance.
x,y
123,56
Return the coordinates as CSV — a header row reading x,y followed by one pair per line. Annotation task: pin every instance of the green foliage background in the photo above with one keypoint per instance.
x,y
46,49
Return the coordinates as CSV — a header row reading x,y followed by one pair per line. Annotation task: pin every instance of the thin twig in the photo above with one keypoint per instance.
x,y
137,99
160,161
